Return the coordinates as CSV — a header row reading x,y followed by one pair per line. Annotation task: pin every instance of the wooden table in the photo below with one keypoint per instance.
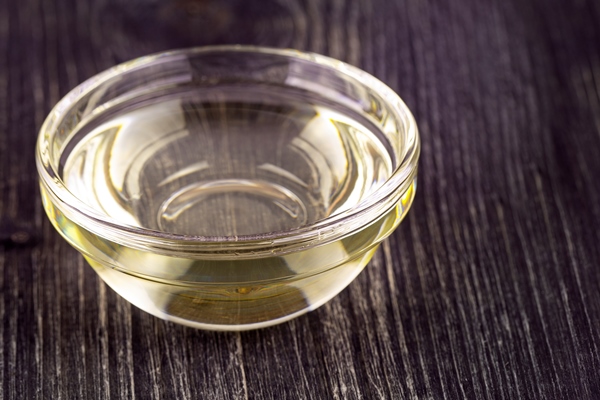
x,y
489,289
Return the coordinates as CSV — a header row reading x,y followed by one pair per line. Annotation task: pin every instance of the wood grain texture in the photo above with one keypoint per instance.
x,y
488,290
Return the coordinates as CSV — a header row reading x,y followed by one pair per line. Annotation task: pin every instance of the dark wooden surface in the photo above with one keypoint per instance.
x,y
489,289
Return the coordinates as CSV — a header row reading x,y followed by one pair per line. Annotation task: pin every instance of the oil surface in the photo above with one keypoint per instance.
x,y
226,168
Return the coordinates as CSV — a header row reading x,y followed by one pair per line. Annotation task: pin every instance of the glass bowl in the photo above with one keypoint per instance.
x,y
228,187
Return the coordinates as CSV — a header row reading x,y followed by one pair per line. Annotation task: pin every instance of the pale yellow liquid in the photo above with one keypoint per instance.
x,y
228,168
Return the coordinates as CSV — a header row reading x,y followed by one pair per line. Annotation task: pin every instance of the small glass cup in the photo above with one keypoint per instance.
x,y
228,187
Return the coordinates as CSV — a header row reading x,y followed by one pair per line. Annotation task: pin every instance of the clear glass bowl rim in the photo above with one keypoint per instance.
x,y
327,229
